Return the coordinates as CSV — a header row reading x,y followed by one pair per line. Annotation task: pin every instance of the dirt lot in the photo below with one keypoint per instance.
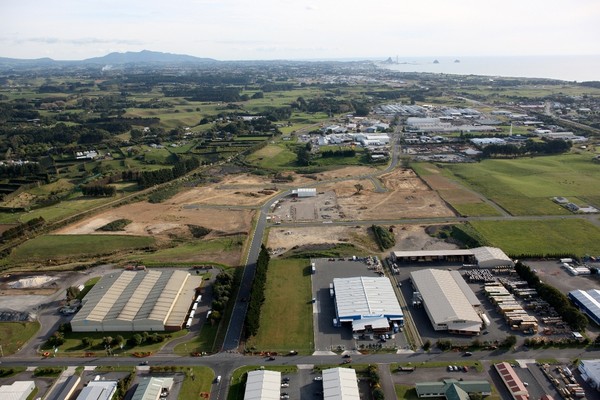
x,y
166,218
406,197
408,237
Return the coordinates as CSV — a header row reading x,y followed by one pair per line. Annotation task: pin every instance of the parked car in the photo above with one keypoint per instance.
x,y
318,378
285,385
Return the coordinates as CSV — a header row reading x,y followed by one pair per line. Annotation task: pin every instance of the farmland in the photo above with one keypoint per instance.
x,y
541,237
526,186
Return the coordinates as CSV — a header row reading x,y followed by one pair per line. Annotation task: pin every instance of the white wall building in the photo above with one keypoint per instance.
x,y
340,384
263,385
590,372
18,390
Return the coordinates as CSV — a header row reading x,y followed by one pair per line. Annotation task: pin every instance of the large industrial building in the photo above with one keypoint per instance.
x,y
449,302
368,303
483,257
149,300
98,390
588,302
590,372
19,390
340,384
151,388
263,385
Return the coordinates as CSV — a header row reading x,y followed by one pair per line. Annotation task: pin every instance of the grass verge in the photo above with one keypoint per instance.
x,y
13,335
286,316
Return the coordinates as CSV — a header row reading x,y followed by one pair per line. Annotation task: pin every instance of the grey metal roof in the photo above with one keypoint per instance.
x,y
365,297
443,296
136,295
263,385
151,388
340,384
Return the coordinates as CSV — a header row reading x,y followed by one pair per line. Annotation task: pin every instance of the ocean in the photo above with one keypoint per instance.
x,y
566,68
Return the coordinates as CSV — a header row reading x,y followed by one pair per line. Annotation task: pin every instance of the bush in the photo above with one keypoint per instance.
x,y
198,231
116,225
384,238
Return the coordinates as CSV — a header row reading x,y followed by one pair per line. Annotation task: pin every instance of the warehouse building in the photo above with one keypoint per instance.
x,y
263,385
152,388
340,384
304,192
483,257
449,302
590,372
588,302
452,389
511,380
138,301
98,390
18,390
368,303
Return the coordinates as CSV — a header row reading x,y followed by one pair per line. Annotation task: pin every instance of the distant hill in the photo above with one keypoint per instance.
x,y
146,56
130,57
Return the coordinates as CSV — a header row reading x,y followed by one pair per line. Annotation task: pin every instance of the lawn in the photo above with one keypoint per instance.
x,y
49,247
541,237
405,392
286,317
73,346
197,251
197,380
273,156
13,335
525,186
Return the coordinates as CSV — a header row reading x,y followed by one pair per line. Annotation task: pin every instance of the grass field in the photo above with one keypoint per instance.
x,y
50,247
197,380
525,186
286,316
13,335
197,251
273,156
74,348
564,236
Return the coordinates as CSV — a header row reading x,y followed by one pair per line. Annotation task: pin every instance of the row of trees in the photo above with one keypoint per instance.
x,y
26,227
338,153
530,147
181,167
98,190
221,294
561,303
257,295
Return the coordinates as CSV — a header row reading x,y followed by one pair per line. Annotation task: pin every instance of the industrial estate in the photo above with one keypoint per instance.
x,y
296,231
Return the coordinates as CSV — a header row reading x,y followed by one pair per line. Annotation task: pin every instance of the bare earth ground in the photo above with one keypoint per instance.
x,y
408,237
406,197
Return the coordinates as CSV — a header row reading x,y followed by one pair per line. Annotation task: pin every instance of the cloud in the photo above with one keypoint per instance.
x,y
77,42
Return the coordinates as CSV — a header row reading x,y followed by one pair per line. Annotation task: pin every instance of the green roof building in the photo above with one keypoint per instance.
x,y
453,389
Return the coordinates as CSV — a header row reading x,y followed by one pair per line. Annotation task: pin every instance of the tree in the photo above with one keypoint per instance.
x,y
87,342
136,340
72,292
303,154
427,345
510,341
118,340
359,187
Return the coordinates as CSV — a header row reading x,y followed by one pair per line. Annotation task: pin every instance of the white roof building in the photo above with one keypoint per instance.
x,y
590,372
98,390
263,385
151,388
18,390
448,301
490,257
305,192
150,300
340,384
366,301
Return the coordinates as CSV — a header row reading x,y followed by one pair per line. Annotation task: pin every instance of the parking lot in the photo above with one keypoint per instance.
x,y
306,383
328,337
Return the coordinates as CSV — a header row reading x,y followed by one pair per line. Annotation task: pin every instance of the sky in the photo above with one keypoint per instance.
x,y
299,29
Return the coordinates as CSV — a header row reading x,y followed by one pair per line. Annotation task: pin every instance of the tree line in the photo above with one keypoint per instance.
x,y
549,147
257,294
338,153
98,190
147,179
26,227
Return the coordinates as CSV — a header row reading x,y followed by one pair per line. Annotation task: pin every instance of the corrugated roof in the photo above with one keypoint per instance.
x,y
512,382
340,384
433,253
137,295
151,388
492,255
589,300
443,297
364,297
263,385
